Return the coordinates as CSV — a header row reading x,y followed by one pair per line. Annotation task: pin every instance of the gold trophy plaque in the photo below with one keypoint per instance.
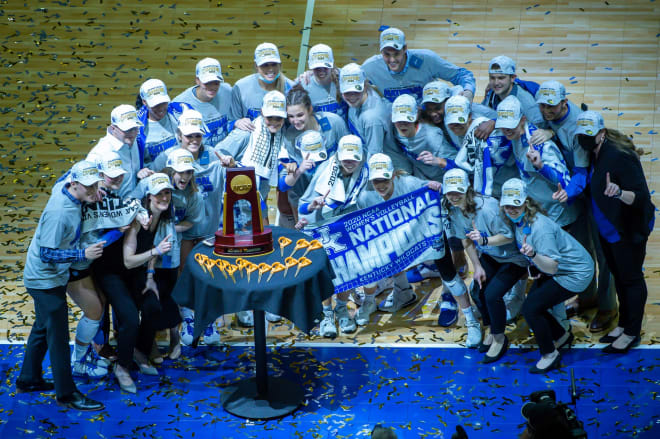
x,y
241,184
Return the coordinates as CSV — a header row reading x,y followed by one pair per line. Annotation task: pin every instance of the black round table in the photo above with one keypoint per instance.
x,y
297,298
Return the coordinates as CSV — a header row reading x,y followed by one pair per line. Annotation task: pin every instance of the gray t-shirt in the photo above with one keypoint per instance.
x,y
58,228
422,67
215,112
427,138
489,222
159,136
324,99
130,160
565,131
547,238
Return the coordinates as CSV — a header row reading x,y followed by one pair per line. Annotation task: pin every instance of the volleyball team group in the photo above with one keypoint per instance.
x,y
551,208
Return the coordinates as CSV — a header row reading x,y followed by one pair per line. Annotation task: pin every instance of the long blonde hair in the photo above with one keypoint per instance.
x,y
621,141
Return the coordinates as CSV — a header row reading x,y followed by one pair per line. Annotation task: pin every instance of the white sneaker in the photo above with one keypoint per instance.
x,y
473,334
397,300
91,356
327,328
211,336
346,322
364,312
273,318
187,328
357,296
84,368
245,319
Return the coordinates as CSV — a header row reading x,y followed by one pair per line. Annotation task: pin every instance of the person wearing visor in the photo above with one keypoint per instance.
x,y
54,247
625,216
388,183
398,70
561,115
488,240
120,138
564,265
369,115
334,191
249,92
322,81
303,118
211,96
159,118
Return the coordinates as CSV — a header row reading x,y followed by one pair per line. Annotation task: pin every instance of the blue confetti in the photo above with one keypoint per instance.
x,y
541,44
547,12
468,62
620,114
480,47
552,69
638,133
571,78
653,132
382,28
574,82
608,68
448,20
454,34
653,160
637,124
594,45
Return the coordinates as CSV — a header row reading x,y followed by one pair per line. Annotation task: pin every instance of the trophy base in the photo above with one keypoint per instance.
x,y
241,245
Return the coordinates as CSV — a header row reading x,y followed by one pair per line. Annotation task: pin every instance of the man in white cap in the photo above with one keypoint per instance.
x,y
503,82
322,81
52,250
211,96
561,114
159,118
248,92
398,70
120,138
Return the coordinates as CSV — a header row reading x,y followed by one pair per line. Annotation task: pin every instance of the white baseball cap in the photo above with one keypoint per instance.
x,y
274,104
455,180
457,110
392,37
550,93
404,109
514,193
321,56
265,53
436,92
110,164
311,143
509,113
157,182
380,167
125,117
505,65
351,78
589,123
208,69
85,173
350,148
154,92
191,122
181,160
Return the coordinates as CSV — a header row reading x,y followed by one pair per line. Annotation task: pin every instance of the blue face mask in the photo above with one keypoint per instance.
x,y
267,81
517,220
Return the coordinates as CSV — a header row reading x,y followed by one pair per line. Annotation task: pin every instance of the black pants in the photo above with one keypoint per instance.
x,y
50,332
544,294
124,293
625,260
500,278
165,280
446,264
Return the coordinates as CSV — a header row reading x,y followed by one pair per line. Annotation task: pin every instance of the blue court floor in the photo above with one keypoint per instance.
x,y
420,391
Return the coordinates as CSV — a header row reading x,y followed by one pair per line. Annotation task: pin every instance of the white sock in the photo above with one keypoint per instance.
x,y
85,332
79,351
469,316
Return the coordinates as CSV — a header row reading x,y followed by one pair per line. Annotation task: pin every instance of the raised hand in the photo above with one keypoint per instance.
x,y
535,158
611,189
560,195
474,234
527,249
165,245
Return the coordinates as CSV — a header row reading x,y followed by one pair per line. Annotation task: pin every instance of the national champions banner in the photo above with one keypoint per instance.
x,y
383,240
110,213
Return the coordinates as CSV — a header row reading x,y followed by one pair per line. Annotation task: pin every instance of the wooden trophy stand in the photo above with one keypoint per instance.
x,y
242,185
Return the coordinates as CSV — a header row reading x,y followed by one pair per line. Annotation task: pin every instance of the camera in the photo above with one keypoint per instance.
x,y
548,418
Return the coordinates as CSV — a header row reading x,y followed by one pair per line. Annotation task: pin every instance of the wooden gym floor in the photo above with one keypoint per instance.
x,y
66,64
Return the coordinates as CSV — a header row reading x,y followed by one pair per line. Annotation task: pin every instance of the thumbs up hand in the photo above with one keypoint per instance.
x,y
611,189
527,249
474,234
560,195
